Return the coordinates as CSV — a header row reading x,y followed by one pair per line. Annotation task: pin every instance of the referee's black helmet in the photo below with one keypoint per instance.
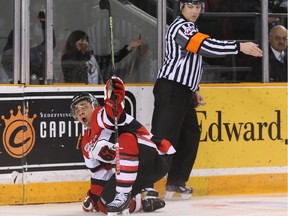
x,y
202,2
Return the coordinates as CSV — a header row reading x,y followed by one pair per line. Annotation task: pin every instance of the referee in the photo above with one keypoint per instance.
x,y
176,91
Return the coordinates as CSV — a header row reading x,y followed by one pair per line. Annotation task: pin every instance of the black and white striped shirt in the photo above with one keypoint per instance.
x,y
185,46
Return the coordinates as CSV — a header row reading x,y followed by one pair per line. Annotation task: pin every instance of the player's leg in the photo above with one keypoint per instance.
x,y
148,191
162,165
108,196
140,166
152,167
129,163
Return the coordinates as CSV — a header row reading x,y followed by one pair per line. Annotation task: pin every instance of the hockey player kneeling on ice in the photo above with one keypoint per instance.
x,y
140,158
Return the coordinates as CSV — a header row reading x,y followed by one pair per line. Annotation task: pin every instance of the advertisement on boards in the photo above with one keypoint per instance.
x,y
38,132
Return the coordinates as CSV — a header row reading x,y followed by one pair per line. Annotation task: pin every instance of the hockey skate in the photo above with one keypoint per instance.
x,y
152,204
120,205
178,192
147,193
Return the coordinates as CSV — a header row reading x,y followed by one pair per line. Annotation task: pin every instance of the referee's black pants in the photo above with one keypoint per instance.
x,y
174,118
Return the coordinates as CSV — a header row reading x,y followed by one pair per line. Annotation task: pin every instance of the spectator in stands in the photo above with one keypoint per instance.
x,y
278,36
37,55
80,65
7,58
242,27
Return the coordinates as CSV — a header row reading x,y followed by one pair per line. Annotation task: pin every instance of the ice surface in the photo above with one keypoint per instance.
x,y
249,205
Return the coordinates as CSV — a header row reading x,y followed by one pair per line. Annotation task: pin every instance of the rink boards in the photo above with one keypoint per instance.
x,y
243,146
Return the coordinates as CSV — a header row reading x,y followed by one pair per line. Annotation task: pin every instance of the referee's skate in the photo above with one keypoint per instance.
x,y
178,192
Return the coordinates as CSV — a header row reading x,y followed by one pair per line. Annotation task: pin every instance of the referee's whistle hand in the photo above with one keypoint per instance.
x,y
251,48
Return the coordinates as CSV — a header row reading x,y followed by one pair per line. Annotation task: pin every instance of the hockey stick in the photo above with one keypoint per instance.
x,y
105,4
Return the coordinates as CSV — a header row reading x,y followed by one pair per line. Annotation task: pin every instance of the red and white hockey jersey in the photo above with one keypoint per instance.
x,y
98,148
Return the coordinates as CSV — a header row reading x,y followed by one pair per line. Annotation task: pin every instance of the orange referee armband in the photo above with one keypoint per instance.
x,y
195,42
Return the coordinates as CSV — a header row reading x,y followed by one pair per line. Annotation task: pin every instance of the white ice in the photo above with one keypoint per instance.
x,y
248,205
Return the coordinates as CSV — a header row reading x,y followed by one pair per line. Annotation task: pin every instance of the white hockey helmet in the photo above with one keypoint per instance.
x,y
80,97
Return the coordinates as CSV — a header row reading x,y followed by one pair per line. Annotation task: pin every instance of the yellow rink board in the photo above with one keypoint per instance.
x,y
243,149
253,127
75,191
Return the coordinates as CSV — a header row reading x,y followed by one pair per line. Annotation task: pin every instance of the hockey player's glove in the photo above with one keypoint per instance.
x,y
115,88
90,202
103,151
114,91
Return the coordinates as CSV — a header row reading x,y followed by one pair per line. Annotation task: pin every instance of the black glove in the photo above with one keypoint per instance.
x,y
90,202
